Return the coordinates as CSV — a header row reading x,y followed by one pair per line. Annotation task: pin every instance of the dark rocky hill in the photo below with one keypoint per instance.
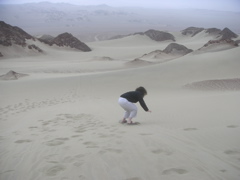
x,y
213,31
67,39
177,48
159,35
46,38
13,35
227,34
192,31
222,34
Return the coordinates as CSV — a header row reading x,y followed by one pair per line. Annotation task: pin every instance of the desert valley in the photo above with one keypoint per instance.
x,y
59,116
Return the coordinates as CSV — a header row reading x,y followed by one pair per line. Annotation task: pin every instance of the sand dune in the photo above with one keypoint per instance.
x,y
218,84
61,121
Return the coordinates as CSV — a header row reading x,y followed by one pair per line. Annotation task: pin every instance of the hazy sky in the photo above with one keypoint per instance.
x,y
226,5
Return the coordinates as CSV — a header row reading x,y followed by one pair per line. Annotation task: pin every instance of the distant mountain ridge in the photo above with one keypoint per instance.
x,y
91,23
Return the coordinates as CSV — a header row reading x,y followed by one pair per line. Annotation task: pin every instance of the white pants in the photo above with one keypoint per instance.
x,y
129,107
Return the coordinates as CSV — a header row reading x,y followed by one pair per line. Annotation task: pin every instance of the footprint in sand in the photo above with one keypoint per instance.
x,y
161,151
134,178
174,171
23,141
90,144
190,129
54,170
80,130
232,126
145,134
117,151
232,152
56,142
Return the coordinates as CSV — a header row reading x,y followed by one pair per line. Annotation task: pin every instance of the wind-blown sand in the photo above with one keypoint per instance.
x,y
61,121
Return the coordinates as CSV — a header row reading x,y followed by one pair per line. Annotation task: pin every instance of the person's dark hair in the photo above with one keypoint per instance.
x,y
142,90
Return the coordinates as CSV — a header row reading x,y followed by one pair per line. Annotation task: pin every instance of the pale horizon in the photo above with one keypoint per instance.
x,y
218,5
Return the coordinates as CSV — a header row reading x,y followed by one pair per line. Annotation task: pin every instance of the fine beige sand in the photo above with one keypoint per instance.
x,y
61,121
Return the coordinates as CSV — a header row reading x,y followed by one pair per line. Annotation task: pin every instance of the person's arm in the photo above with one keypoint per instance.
x,y
143,104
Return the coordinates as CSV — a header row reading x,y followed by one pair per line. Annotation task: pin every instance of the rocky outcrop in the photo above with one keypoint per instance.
x,y
68,40
221,34
213,31
10,35
192,31
46,39
12,75
172,51
217,45
177,49
227,34
221,41
33,46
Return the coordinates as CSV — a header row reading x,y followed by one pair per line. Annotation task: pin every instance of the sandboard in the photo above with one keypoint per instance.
x,y
134,123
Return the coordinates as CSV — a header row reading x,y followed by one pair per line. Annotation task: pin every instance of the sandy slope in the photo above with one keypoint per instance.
x,y
66,126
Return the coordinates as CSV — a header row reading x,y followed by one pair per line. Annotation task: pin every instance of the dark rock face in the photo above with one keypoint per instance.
x,y
12,35
227,34
67,39
177,48
192,31
159,35
33,46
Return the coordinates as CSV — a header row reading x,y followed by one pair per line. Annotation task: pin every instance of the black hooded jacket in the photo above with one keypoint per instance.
x,y
134,97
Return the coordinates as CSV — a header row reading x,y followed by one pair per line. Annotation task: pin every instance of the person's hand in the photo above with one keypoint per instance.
x,y
149,111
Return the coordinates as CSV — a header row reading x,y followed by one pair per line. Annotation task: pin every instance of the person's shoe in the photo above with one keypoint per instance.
x,y
124,121
129,123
